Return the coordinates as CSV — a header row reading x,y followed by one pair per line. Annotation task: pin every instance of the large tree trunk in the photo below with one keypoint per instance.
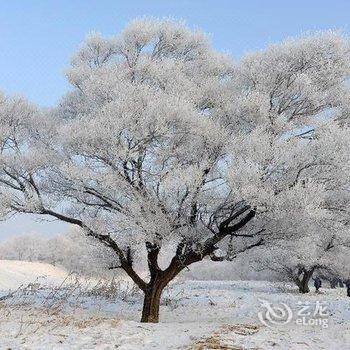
x,y
185,255
151,302
304,281
153,291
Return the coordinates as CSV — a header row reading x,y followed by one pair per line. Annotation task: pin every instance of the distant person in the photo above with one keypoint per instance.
x,y
334,282
317,283
347,283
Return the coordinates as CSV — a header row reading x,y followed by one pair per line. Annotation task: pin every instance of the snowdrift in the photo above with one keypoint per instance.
x,y
14,273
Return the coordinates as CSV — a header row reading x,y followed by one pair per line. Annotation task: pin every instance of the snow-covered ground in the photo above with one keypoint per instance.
x,y
197,315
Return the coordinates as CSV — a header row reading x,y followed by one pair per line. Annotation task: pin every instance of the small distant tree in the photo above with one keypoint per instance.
x,y
298,261
164,142
79,254
71,250
27,247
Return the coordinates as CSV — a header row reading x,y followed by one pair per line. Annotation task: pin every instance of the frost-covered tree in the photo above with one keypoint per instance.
x,y
305,205
29,247
289,131
164,143
135,155
298,149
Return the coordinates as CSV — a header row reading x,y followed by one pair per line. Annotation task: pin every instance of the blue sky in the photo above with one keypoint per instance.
x,y
38,37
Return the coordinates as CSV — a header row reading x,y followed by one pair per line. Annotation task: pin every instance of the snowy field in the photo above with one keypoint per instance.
x,y
43,308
